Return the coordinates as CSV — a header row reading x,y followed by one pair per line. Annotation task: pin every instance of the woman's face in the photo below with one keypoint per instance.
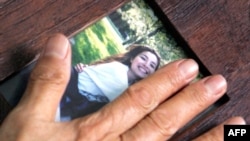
x,y
144,64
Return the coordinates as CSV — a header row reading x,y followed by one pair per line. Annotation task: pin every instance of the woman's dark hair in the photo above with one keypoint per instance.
x,y
132,52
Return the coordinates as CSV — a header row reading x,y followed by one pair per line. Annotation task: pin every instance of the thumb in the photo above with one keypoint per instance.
x,y
48,80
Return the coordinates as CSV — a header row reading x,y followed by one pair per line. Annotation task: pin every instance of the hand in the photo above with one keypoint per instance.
x,y
80,67
216,134
143,112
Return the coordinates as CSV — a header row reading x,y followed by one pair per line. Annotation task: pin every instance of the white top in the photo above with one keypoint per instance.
x,y
107,79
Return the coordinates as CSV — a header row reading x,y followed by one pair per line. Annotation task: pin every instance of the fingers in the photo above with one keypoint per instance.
x,y
48,80
80,67
139,100
170,116
217,133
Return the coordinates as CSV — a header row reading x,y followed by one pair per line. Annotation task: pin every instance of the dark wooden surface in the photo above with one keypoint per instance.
x,y
218,31
26,24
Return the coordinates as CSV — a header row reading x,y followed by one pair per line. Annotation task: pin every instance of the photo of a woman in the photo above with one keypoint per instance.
x,y
107,57
105,80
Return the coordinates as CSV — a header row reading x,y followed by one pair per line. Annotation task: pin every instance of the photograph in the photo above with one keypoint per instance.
x,y
108,56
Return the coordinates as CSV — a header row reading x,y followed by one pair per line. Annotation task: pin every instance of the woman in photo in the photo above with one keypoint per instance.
x,y
105,80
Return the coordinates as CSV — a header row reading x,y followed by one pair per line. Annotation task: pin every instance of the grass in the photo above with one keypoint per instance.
x,y
96,42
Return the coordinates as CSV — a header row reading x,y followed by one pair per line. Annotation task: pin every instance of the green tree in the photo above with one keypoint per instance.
x,y
146,28
141,19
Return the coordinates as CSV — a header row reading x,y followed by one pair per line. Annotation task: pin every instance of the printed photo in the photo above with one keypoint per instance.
x,y
117,51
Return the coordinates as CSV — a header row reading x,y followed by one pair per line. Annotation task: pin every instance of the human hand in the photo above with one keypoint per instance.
x,y
80,67
143,112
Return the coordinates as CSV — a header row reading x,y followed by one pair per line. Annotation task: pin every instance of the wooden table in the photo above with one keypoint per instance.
x,y
217,31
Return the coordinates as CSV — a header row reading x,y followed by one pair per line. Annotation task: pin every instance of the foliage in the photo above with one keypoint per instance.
x,y
97,41
147,29
94,43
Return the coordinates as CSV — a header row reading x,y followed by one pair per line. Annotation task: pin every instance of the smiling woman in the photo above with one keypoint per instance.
x,y
215,31
129,39
142,65
101,83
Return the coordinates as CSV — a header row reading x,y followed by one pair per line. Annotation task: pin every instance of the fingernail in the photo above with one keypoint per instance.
x,y
189,68
236,121
215,84
57,46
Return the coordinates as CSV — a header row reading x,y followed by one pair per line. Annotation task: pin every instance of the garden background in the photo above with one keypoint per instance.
x,y
133,23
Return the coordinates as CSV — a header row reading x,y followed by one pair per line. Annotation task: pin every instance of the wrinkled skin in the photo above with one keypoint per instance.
x,y
143,112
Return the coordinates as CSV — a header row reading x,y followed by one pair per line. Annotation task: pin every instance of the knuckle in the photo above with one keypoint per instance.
x,y
142,97
165,126
199,95
172,79
99,122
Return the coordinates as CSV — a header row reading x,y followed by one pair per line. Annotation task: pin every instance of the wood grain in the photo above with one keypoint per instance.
x,y
26,25
219,34
217,31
